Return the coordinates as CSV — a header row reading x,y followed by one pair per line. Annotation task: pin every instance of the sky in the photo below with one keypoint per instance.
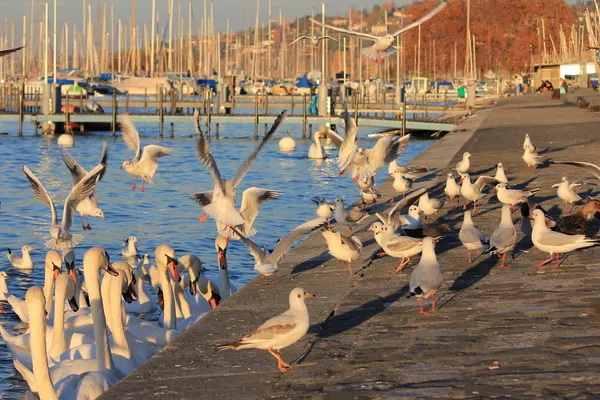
x,y
71,11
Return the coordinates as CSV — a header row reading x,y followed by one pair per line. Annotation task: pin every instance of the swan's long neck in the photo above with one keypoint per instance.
x,y
224,284
182,303
59,342
117,316
139,286
39,357
105,362
169,320
48,288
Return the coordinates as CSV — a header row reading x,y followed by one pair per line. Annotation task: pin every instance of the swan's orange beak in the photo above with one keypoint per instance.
x,y
174,271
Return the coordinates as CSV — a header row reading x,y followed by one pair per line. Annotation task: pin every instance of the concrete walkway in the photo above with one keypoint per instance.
x,y
516,333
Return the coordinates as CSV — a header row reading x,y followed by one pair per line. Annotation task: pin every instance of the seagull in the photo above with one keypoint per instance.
x,y
557,243
324,209
24,262
513,197
430,206
129,248
368,193
342,248
267,262
531,159
219,203
394,221
401,183
528,144
5,52
471,237
88,206
383,44
452,190
278,332
61,237
500,175
347,216
143,167
472,192
314,40
394,245
394,166
462,167
576,223
591,168
566,192
504,237
427,277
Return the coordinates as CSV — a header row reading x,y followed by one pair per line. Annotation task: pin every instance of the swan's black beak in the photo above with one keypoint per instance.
x,y
193,287
214,300
161,299
73,304
71,269
56,270
222,256
131,294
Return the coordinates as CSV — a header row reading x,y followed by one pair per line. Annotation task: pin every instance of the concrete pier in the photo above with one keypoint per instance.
x,y
519,332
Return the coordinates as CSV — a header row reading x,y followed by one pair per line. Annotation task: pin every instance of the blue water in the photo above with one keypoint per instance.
x,y
165,213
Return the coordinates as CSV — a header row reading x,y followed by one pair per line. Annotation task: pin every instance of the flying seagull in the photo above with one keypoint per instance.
x,y
5,52
314,40
383,44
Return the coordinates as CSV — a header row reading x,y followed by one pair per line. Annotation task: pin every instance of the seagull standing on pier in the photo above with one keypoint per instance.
x,y
143,167
384,44
278,332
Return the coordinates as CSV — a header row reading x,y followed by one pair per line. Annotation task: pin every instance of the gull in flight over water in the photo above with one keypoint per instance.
x,y
314,40
383,44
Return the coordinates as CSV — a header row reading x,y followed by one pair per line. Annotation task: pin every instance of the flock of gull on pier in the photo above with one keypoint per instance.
x,y
79,349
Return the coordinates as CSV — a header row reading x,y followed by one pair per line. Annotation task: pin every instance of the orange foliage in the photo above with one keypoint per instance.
x,y
506,32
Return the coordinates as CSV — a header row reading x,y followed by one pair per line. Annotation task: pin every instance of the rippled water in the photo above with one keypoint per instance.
x,y
165,213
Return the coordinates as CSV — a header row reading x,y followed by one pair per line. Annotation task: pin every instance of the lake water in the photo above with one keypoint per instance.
x,y
165,213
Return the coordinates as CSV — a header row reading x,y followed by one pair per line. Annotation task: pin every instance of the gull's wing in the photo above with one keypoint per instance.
x,y
245,167
327,37
130,135
8,51
471,235
255,250
154,152
103,158
286,242
252,199
349,32
205,156
298,39
393,211
485,180
386,150
443,4
403,243
350,243
591,168
40,191
335,138
279,325
81,191
203,198
76,170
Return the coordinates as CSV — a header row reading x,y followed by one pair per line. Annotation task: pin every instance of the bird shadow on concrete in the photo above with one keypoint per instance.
x,y
482,171
474,274
338,323
549,150
312,263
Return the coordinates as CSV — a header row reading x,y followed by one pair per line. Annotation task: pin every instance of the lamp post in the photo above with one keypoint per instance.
x,y
323,85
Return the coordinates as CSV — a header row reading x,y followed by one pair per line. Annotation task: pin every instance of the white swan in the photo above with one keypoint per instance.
x,y
52,268
86,385
226,289
146,302
316,150
56,338
24,262
203,293
164,256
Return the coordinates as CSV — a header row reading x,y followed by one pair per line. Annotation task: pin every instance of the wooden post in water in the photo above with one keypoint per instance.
x,y
127,102
404,115
425,104
309,131
161,115
208,118
67,113
292,111
37,101
172,130
217,130
304,116
21,106
233,102
256,116
113,127
266,130
80,104
145,99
